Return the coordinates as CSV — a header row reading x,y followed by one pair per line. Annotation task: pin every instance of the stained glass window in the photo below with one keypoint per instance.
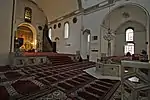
x,y
28,14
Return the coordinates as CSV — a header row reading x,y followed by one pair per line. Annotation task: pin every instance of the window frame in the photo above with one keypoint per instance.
x,y
129,42
89,38
128,35
28,18
64,31
49,33
132,45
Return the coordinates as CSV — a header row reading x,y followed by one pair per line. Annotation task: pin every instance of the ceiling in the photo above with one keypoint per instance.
x,y
57,8
125,15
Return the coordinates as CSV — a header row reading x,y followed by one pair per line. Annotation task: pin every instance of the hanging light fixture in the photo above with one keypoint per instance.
x,y
109,36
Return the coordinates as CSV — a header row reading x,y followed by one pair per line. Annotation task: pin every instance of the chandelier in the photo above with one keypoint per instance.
x,y
109,36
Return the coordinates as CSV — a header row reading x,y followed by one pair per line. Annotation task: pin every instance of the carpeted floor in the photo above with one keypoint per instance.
x,y
54,82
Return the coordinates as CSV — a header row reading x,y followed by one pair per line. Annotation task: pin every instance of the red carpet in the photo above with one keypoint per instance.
x,y
3,93
33,82
25,87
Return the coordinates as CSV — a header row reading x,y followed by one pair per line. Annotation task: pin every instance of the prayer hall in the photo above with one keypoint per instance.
x,y
75,50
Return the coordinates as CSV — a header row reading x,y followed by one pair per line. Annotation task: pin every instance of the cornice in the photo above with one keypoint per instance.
x,y
97,7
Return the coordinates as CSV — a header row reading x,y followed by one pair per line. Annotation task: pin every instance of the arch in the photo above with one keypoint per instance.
x,y
124,43
121,6
87,31
126,4
133,21
132,28
114,11
34,32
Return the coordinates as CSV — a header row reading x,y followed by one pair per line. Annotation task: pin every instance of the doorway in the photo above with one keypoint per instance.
x,y
85,46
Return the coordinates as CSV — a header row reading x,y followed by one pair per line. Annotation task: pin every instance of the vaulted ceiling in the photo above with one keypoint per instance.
x,y
57,8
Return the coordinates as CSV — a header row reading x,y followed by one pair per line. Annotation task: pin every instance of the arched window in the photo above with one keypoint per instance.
x,y
129,35
66,30
50,33
89,38
129,47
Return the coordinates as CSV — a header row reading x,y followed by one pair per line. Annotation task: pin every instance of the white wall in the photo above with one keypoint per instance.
x,y
139,38
93,21
89,3
5,25
74,36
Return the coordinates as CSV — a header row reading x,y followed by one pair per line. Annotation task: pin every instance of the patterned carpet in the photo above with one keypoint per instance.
x,y
54,82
